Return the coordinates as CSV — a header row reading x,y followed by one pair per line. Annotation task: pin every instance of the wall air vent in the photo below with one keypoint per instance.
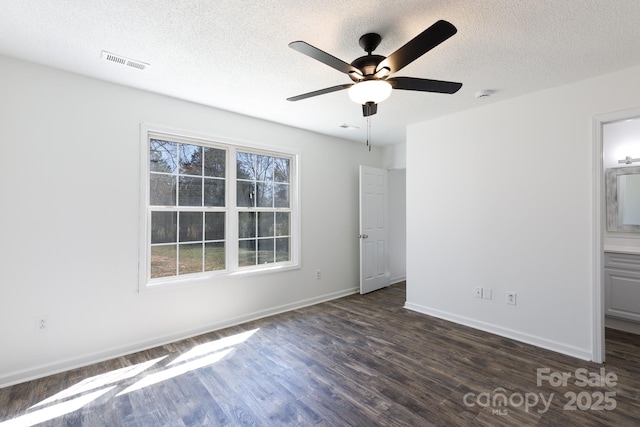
x,y
118,59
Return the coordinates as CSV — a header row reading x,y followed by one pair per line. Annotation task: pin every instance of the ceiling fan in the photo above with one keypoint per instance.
x,y
371,73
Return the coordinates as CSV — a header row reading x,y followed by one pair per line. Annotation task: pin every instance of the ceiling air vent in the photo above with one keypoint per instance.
x,y
123,61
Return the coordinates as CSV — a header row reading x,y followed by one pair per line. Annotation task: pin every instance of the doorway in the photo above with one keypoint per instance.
x,y
396,213
611,146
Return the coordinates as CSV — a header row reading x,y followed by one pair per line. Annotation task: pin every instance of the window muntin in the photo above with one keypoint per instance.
x,y
196,228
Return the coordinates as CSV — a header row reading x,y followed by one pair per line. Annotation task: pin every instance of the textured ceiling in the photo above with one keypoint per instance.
x,y
233,55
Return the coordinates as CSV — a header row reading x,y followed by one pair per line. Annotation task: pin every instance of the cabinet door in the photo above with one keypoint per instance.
x,y
622,294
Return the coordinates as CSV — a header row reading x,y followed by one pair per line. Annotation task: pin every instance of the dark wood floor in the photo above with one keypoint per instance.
x,y
357,361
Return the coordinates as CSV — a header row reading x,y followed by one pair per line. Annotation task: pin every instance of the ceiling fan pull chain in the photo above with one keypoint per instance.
x,y
369,132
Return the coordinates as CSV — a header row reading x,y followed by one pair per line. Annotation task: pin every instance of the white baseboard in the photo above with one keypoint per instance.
x,y
398,279
622,325
569,350
58,366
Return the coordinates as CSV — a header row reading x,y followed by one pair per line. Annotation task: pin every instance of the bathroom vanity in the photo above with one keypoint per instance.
x,y
622,285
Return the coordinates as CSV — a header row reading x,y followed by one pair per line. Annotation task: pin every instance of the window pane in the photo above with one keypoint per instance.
x,y
266,251
189,191
213,192
163,227
282,223
265,224
214,256
214,162
246,253
190,258
282,250
281,199
264,168
190,158
163,261
246,194
162,156
190,226
162,190
214,226
281,170
264,195
246,225
246,165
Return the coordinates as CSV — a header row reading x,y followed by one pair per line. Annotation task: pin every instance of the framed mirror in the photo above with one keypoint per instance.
x,y
623,199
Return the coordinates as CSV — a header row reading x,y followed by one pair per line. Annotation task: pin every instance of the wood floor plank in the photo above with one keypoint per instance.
x,y
362,360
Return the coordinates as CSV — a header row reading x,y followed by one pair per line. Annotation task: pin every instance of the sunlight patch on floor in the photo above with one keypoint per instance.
x,y
55,411
64,402
101,380
169,373
214,346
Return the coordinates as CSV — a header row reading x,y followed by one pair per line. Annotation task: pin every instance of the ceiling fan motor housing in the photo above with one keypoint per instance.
x,y
367,65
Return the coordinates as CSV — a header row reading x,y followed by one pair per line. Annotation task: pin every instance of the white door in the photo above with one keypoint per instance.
x,y
374,245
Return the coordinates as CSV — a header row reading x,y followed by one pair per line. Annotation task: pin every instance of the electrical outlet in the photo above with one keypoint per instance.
x,y
511,297
41,323
486,293
478,292
317,274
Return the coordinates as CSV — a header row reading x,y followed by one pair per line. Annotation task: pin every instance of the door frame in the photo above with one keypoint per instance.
x,y
599,216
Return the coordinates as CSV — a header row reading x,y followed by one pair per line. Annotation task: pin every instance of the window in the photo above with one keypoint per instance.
x,y
215,208
263,186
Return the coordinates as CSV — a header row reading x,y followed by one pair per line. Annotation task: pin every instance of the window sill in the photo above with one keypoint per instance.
x,y
210,279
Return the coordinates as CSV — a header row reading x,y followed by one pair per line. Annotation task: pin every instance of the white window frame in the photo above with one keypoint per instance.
x,y
232,269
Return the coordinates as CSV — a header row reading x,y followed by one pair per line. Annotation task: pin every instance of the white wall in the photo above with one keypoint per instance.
x,y
620,139
69,185
396,156
502,197
396,162
397,225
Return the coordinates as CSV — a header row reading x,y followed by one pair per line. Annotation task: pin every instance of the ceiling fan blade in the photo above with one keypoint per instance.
x,y
424,85
320,92
418,46
324,57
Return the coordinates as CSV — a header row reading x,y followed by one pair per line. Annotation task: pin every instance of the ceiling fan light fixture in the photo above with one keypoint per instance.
x,y
374,91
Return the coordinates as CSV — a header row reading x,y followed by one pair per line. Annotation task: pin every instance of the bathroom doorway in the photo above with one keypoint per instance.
x,y
617,244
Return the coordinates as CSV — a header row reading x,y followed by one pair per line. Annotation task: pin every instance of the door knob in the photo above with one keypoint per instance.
x,y
363,236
